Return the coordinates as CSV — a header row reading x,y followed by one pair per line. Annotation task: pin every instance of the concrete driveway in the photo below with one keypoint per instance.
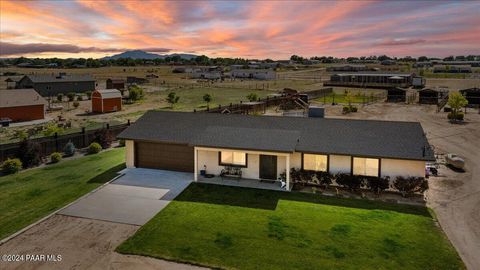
x,y
134,198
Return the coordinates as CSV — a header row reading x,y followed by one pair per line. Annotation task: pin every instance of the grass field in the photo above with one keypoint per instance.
x,y
30,195
340,98
237,228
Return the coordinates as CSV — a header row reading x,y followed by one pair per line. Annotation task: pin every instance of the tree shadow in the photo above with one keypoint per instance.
x,y
107,175
268,199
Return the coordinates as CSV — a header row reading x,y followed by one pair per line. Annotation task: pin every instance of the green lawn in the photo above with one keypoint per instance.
x,y
30,195
237,228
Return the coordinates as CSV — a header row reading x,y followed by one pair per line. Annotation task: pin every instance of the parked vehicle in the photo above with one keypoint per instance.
x,y
455,161
431,169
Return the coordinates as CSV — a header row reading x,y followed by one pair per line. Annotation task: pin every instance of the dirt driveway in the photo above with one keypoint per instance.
x,y
83,244
454,196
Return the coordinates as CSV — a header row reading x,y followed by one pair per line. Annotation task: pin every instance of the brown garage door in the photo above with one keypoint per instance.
x,y
174,157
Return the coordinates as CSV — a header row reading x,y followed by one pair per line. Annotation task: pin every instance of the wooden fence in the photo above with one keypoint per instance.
x,y
57,143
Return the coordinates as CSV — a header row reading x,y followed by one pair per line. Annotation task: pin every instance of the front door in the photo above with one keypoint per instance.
x,y
268,167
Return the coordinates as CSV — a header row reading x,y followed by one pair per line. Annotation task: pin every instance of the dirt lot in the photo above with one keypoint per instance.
x,y
82,244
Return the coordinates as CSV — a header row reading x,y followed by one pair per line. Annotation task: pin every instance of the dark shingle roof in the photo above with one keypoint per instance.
x,y
63,78
388,139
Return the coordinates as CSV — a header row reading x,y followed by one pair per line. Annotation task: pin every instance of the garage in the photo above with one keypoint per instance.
x,y
165,156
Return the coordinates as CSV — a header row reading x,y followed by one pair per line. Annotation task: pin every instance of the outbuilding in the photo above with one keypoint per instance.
x,y
106,100
396,95
472,95
21,105
116,84
430,96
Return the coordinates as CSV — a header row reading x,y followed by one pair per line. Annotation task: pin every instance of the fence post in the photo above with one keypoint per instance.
x,y
128,122
108,126
56,141
84,141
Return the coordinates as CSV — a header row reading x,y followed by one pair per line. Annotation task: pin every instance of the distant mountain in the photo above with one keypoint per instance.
x,y
139,54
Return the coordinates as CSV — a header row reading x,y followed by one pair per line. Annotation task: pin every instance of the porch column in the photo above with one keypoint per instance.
x,y
287,172
195,164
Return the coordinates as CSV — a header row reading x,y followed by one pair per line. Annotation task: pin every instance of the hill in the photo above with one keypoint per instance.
x,y
139,54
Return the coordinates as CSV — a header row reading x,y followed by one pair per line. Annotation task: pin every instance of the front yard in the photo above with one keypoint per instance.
x,y
239,228
30,195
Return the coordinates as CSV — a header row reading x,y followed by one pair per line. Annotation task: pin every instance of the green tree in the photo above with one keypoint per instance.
x,y
71,96
135,93
456,101
207,98
349,98
172,98
60,97
252,97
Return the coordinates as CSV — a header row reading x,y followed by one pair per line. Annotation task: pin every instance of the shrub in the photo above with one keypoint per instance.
x,y
104,138
353,109
324,178
349,109
94,148
172,98
252,97
79,98
121,142
10,166
135,93
409,185
60,97
459,116
89,94
55,157
352,182
377,184
71,96
51,129
69,149
29,154
76,104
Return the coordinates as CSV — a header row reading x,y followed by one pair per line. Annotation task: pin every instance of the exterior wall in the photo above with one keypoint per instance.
x,y
129,153
209,158
296,160
340,164
96,103
398,167
54,88
112,104
23,113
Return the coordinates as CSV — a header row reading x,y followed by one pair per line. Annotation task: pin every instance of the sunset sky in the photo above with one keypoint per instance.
x,y
252,29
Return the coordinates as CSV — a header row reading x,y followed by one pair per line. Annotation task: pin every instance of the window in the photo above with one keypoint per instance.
x,y
315,162
365,166
233,158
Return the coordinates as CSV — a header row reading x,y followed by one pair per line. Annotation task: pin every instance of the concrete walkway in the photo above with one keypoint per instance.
x,y
134,198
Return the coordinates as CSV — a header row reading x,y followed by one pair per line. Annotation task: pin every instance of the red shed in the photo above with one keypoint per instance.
x,y
107,100
22,105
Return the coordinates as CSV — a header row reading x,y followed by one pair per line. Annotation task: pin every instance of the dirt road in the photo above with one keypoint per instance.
x,y
82,244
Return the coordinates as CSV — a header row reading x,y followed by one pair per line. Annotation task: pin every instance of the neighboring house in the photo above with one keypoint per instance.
x,y
13,81
116,84
259,74
264,147
452,69
136,80
472,95
51,85
22,105
108,100
348,67
372,79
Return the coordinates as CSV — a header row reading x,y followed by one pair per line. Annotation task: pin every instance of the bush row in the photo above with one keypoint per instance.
x,y
405,185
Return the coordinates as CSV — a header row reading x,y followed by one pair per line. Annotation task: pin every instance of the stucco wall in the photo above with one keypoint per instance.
x,y
210,159
296,160
129,154
340,164
396,167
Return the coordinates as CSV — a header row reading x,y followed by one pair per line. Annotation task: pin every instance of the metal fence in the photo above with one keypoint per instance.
x,y
56,143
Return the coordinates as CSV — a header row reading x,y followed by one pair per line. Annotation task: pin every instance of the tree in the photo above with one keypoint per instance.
x,y
207,98
104,138
71,96
89,94
349,98
172,98
135,93
60,97
456,101
51,129
29,153
252,97
377,184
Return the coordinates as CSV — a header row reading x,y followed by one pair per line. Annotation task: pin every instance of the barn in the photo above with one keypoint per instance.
x,y
472,95
21,105
116,84
430,96
106,100
396,95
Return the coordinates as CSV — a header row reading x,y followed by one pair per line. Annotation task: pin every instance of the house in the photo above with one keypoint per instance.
x,y
22,105
396,94
472,95
264,147
116,84
348,67
259,74
107,100
51,85
452,69
136,80
371,79
431,96
13,81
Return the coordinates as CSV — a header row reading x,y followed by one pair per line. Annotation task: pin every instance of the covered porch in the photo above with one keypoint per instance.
x,y
242,168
